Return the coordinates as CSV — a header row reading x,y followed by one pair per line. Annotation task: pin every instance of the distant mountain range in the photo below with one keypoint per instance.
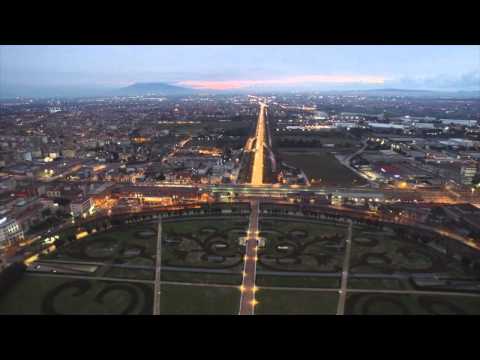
x,y
154,88
426,92
166,89
408,92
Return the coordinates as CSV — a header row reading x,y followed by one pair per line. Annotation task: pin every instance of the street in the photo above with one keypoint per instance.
x,y
247,297
346,264
258,166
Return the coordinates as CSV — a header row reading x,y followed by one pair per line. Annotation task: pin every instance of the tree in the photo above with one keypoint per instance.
x,y
476,180
62,201
46,212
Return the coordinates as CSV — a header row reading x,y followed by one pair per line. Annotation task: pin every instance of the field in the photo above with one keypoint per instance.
x,y
379,283
206,126
44,294
384,251
407,304
126,252
301,246
298,281
298,271
340,141
135,245
294,302
130,251
113,272
197,300
202,277
322,167
204,243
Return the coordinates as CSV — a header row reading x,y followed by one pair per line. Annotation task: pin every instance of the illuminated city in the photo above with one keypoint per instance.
x,y
299,193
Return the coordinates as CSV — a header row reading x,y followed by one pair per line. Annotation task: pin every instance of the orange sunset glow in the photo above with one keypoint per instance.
x,y
293,80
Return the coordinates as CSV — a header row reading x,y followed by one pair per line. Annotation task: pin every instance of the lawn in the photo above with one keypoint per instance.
x,y
323,167
202,277
121,244
209,243
302,246
184,299
291,302
35,294
298,281
383,251
130,273
408,304
379,283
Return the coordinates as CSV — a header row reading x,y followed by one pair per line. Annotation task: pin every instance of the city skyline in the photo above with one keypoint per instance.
x,y
240,180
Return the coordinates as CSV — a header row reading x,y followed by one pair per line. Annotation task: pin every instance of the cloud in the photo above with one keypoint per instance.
x,y
285,81
466,81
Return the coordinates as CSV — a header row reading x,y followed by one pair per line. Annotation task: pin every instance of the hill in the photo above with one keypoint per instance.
x,y
154,88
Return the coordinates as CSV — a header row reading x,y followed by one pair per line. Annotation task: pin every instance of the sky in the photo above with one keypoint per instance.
x,y
241,67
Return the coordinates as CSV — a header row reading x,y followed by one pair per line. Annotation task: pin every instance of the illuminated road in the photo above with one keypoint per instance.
x,y
258,165
346,264
247,297
158,267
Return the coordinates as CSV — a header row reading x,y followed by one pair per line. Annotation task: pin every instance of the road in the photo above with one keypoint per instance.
x,y
158,268
89,277
346,264
258,166
346,162
375,291
247,297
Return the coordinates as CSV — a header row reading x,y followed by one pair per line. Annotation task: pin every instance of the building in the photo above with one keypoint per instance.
x,y
468,172
10,231
69,153
384,126
460,172
459,122
81,207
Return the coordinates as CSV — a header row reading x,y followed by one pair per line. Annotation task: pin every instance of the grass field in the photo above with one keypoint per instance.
x,y
301,246
296,302
322,167
409,304
121,244
292,247
298,281
130,273
382,251
210,243
180,299
194,227
337,140
379,283
35,294
201,277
